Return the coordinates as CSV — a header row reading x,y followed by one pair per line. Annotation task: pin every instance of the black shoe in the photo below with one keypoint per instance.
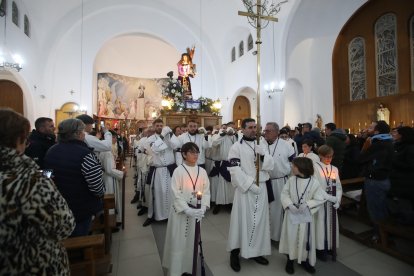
x,y
148,222
289,267
260,260
216,209
143,211
136,198
235,261
321,255
310,269
115,230
186,274
139,206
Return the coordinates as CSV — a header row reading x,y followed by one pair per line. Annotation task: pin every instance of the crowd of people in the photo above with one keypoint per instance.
x,y
283,187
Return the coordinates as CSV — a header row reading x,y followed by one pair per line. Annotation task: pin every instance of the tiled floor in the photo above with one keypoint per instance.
x,y
134,251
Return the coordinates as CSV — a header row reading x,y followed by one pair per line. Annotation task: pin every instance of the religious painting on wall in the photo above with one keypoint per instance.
x,y
123,97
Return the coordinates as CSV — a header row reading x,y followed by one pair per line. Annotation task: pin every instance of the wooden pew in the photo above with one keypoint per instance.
x,y
109,221
87,256
391,227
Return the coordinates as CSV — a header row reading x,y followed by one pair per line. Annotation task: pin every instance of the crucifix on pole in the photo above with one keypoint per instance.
x,y
263,12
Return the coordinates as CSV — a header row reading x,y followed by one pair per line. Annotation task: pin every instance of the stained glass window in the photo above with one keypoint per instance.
x,y
249,42
15,13
357,69
241,48
233,54
26,26
386,55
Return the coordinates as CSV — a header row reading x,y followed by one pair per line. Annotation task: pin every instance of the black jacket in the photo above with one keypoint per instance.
x,y
402,174
377,159
39,143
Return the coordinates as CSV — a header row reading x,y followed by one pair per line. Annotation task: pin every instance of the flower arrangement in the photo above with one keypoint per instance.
x,y
172,94
207,105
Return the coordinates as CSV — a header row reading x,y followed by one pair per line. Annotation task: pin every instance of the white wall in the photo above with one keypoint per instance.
x,y
309,46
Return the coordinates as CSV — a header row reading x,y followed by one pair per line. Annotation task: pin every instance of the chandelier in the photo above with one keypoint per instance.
x,y
267,11
10,66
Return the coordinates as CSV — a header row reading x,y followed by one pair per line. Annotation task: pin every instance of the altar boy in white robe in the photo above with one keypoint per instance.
x,y
326,174
301,197
282,154
159,175
187,180
249,233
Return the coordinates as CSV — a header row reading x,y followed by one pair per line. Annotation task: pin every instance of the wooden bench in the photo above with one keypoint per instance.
x,y
391,227
87,255
109,221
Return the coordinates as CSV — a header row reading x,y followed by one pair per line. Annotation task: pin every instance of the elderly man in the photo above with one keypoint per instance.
x,y
282,154
249,232
77,174
40,140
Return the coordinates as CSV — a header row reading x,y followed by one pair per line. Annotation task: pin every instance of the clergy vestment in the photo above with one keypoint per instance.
x,y
179,239
198,139
281,153
159,176
223,188
249,221
143,162
323,218
294,237
312,156
111,179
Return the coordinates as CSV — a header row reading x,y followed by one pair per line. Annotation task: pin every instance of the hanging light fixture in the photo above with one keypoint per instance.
x,y
8,61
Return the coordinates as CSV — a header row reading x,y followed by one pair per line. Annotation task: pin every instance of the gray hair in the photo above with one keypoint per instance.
x,y
70,129
274,125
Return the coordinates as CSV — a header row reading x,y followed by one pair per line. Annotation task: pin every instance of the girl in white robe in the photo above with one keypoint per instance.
x,y
187,180
325,173
301,197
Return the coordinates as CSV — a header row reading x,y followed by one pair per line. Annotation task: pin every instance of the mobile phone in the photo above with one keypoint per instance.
x,y
47,173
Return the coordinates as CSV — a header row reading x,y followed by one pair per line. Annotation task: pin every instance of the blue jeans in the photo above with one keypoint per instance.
x,y
376,195
82,228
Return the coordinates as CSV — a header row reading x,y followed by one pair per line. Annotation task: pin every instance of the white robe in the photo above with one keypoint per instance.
x,y
312,156
328,208
198,139
179,239
160,195
111,179
295,236
281,151
223,189
249,221
143,162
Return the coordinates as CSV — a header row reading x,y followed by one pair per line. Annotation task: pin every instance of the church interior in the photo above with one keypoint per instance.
x,y
347,62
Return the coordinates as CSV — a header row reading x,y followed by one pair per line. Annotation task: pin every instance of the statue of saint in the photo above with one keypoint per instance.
x,y
383,114
186,69
318,122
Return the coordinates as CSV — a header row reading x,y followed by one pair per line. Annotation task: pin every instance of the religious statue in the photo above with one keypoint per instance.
x,y
383,114
186,69
318,122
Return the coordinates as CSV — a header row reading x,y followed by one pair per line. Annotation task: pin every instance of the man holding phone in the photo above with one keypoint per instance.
x,y
93,141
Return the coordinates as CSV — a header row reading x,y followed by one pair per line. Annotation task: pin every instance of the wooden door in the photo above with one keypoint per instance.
x,y
241,110
11,95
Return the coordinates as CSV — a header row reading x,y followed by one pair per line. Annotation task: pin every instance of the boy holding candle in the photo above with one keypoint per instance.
x,y
187,180
328,176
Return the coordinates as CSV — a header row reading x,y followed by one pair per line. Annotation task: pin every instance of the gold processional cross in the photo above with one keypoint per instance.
x,y
255,20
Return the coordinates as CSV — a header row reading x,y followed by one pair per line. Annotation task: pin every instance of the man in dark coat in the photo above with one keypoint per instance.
x,y
376,156
40,140
335,138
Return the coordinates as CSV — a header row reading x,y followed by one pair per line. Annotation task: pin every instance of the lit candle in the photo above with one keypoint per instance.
x,y
349,131
365,124
393,123
199,196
